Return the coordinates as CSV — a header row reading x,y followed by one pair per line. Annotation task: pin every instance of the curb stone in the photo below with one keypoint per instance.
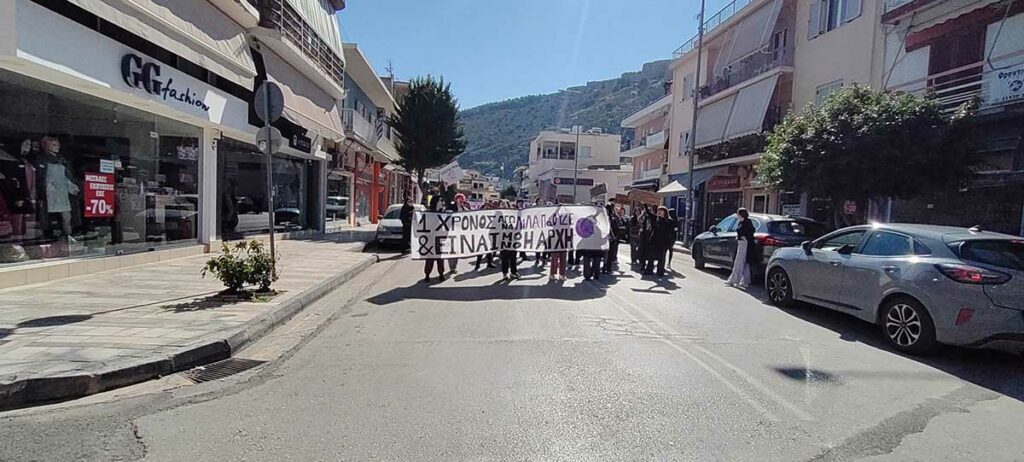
x,y
20,393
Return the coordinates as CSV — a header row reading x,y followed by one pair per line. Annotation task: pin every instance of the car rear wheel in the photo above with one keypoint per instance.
x,y
907,326
780,288
698,256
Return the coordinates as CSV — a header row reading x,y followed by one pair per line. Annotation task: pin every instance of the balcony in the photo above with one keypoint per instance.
x,y
747,68
357,127
279,16
645,145
650,174
711,23
990,83
893,4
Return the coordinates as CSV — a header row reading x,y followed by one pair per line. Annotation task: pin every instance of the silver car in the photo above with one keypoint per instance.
x,y
923,285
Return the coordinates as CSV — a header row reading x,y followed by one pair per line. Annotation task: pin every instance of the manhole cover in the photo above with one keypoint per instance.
x,y
220,369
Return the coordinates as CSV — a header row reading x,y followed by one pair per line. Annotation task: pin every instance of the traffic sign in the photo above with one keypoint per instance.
x,y
276,140
268,102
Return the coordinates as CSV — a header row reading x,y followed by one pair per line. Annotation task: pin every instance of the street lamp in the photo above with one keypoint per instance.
x,y
693,126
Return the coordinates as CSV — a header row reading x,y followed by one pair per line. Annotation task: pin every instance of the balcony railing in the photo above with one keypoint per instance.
x,y
654,140
991,83
893,4
279,16
356,125
711,23
748,68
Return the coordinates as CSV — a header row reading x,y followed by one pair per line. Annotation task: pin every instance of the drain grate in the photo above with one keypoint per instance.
x,y
220,369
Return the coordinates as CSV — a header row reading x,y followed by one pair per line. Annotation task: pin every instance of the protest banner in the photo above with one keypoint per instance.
x,y
537,229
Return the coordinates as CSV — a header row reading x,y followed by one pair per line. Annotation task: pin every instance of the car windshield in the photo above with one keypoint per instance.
x,y
393,214
1002,253
793,228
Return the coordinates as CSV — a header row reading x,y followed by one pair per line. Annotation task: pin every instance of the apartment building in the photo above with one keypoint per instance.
x,y
477,187
960,51
138,117
557,175
647,146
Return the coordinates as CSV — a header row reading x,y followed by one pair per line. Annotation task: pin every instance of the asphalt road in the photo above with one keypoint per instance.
x,y
473,368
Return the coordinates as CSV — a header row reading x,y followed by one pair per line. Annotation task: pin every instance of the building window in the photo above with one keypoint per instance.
x,y
826,15
81,176
760,203
684,143
550,150
824,91
687,86
566,151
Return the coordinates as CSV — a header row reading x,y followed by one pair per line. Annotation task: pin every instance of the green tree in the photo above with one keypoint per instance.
x,y
509,192
427,124
864,145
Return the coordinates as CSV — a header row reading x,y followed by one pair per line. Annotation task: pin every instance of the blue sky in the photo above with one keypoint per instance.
x,y
491,50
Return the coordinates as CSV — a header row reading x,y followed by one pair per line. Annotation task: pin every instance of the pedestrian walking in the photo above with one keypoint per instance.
x,y
457,205
634,236
558,264
540,258
489,256
746,252
405,216
646,225
675,235
509,259
436,205
661,239
591,263
614,236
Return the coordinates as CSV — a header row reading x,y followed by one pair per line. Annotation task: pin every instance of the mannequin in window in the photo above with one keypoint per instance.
x,y
60,185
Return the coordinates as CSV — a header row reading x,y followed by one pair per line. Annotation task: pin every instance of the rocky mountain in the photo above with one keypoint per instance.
x,y
499,134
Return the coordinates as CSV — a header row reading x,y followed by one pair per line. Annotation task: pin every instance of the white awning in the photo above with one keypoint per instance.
x,y
750,108
754,30
200,33
712,121
304,102
672,189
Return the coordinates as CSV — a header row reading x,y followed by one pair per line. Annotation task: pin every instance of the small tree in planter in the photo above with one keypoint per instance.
x,y
245,262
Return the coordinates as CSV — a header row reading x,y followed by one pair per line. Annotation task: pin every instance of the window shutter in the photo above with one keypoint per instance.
x,y
851,10
814,19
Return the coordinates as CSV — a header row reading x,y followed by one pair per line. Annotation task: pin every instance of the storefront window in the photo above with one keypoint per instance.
x,y
81,176
242,185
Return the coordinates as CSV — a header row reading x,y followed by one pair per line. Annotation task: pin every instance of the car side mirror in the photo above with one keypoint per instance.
x,y
380,217
713,230
846,249
806,245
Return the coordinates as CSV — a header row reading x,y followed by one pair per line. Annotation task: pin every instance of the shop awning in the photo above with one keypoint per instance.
x,y
305,104
699,176
199,33
754,30
673,189
751,105
712,121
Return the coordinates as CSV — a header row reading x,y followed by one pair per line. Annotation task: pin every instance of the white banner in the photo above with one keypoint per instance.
x,y
537,229
451,173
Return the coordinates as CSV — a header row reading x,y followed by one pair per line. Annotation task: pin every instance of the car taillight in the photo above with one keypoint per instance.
x,y
967,274
768,240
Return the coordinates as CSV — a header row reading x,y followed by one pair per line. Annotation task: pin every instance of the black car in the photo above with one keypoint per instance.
x,y
717,246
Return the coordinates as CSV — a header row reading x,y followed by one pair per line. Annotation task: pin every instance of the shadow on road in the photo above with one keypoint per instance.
x,y
1000,372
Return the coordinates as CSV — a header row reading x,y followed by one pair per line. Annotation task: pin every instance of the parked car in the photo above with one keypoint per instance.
x,y
337,207
389,227
717,246
924,285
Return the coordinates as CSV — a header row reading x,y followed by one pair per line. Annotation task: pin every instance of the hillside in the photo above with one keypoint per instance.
x,y
500,133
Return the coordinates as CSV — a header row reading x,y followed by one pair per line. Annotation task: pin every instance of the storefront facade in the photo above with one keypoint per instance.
x,y
119,139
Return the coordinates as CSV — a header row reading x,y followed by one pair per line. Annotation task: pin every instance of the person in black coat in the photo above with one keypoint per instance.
x,y
614,236
405,216
436,205
662,237
644,233
746,251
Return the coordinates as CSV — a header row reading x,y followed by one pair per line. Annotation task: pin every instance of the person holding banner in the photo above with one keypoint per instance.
x,y
488,256
662,237
458,205
615,221
508,257
436,205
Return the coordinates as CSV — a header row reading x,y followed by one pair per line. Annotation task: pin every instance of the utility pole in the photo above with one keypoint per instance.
x,y
693,127
576,160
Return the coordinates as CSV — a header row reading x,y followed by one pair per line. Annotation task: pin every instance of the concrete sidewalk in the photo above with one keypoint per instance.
x,y
82,335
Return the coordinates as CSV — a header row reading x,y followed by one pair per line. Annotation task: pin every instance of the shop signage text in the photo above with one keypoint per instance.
x,y
301,142
1006,85
723,182
99,195
145,76
569,181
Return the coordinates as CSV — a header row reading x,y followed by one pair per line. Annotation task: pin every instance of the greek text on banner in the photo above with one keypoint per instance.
x,y
538,229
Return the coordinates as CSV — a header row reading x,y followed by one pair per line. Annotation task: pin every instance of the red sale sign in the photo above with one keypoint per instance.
x,y
99,195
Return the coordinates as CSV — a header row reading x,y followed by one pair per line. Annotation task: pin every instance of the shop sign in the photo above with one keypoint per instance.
x,y
569,181
146,76
301,142
719,183
99,195
107,166
1005,85
849,207
791,209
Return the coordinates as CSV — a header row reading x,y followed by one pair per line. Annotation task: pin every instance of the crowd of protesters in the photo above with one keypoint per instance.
x,y
650,233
